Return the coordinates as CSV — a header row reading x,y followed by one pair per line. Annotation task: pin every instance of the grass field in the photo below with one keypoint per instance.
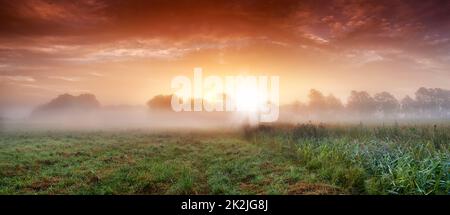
x,y
302,159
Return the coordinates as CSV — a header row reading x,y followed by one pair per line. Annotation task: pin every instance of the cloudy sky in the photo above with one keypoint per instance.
x,y
125,52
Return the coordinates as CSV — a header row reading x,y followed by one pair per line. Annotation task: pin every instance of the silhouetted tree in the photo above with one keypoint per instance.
x,y
386,103
317,101
408,105
67,104
425,101
433,101
323,106
361,102
297,107
333,103
160,102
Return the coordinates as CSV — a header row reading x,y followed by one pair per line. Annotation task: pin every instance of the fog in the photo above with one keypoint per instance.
x,y
85,112
143,119
121,119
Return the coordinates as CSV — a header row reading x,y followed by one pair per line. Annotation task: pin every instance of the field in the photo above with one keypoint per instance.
x,y
283,159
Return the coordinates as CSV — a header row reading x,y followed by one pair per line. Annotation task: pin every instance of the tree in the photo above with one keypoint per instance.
x,y
333,103
317,101
160,102
425,101
386,103
66,105
433,101
297,107
408,105
361,102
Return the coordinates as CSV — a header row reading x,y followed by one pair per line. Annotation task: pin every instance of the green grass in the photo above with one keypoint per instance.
x,y
303,159
368,160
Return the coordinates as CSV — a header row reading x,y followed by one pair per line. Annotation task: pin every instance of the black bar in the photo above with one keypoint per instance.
x,y
275,204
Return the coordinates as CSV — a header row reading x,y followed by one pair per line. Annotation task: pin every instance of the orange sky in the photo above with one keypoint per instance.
x,y
125,52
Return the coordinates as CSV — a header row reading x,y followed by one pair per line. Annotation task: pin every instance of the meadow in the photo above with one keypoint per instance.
x,y
282,159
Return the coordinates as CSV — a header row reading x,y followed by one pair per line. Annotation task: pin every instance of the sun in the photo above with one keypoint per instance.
x,y
245,98
248,99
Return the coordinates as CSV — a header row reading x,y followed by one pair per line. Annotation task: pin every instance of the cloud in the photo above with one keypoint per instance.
x,y
134,53
43,17
39,87
362,57
17,78
97,74
63,26
58,39
316,38
65,78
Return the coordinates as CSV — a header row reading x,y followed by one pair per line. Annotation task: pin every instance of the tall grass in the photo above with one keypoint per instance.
x,y
367,159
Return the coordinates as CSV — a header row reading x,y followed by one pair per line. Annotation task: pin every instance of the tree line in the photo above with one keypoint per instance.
x,y
427,102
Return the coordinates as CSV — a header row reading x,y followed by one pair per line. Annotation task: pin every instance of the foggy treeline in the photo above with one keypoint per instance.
x,y
428,103
86,112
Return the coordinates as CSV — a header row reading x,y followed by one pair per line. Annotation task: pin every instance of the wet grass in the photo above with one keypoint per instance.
x,y
302,159
367,160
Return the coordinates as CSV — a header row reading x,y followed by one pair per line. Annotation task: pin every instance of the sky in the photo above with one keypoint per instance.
x,y
126,52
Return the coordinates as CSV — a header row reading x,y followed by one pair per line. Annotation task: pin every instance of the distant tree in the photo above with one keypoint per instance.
x,y
445,106
408,105
361,102
160,102
442,100
425,101
67,104
297,107
317,101
386,103
433,101
69,101
333,103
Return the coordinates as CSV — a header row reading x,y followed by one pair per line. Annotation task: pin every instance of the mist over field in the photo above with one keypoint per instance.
x,y
85,112
371,144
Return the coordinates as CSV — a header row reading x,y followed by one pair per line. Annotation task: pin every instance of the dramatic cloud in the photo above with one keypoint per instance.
x,y
95,44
